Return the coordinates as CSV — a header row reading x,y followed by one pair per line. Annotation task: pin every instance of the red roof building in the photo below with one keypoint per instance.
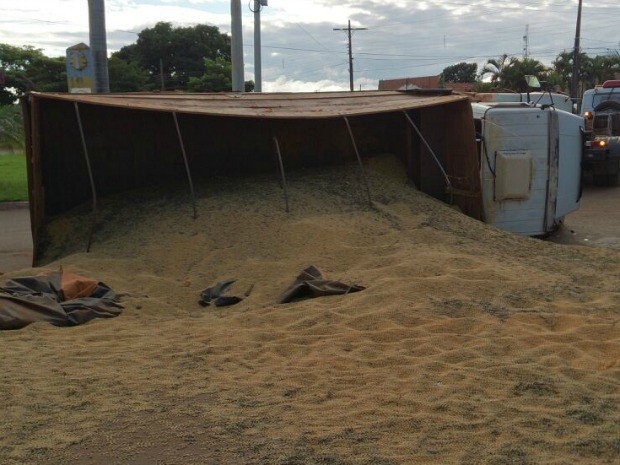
x,y
424,82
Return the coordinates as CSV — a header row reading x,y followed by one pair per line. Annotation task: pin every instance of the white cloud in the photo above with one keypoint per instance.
x,y
302,51
285,84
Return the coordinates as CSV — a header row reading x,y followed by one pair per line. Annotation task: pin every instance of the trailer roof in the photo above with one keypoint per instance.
x,y
265,105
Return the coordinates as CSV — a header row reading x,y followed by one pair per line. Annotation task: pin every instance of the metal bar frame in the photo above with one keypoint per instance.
x,y
189,175
90,176
281,164
443,171
32,164
359,158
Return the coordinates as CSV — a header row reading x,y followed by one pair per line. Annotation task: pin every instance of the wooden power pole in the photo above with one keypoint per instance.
x,y
349,29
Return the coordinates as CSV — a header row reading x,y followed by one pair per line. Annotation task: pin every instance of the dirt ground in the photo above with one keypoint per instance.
x,y
468,345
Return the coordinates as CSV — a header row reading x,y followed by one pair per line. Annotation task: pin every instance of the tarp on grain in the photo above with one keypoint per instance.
x,y
57,297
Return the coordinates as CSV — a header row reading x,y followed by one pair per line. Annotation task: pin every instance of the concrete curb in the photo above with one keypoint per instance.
x,y
13,205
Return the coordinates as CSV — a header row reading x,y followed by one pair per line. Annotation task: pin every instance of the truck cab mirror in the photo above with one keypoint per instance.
x,y
532,81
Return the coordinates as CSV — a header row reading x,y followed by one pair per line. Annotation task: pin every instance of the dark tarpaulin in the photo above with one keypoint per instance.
x,y
59,298
311,283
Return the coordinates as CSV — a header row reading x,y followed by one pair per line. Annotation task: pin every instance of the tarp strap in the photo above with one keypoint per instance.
x,y
359,159
90,176
277,147
189,175
445,175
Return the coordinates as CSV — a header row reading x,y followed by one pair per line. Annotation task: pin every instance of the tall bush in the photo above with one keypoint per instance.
x,y
11,127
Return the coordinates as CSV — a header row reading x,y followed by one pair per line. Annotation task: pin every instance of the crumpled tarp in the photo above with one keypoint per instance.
x,y
58,297
216,295
311,283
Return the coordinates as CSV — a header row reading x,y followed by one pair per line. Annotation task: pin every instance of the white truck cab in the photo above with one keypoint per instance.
x,y
530,165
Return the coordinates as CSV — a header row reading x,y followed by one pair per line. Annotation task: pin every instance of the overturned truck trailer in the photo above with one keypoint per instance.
x,y
84,147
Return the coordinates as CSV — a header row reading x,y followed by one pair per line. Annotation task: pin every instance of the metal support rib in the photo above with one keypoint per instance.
x,y
277,146
445,175
90,177
359,159
189,175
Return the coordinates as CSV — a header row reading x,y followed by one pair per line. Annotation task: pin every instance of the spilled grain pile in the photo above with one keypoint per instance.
x,y
468,346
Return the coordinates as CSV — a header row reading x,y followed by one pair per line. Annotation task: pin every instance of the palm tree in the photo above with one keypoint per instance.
x,y
494,67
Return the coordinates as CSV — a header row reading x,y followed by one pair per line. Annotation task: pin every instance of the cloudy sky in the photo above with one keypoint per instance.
x,y
301,51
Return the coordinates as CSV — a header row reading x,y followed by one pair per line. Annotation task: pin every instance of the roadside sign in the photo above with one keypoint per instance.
x,y
80,69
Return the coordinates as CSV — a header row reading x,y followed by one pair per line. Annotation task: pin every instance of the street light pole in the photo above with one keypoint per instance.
x,y
98,44
258,70
236,45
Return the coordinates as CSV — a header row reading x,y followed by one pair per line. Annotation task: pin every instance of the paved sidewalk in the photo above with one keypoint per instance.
x,y
15,237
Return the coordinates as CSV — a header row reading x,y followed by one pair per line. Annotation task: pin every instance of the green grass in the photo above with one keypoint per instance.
x,y
13,177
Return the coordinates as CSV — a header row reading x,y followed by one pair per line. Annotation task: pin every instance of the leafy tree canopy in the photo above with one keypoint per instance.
x,y
461,72
494,68
217,77
11,127
126,76
594,70
26,68
177,53
509,73
513,76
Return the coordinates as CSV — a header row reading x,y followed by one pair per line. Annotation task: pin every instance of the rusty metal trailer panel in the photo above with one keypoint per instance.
x,y
84,146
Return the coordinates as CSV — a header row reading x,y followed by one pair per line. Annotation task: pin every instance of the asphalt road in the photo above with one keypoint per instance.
x,y
596,223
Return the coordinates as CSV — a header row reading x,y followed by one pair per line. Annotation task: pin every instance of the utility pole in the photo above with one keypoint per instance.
x,y
526,42
236,45
98,44
349,29
574,85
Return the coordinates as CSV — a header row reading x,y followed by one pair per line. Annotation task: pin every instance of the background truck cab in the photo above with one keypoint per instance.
x,y
600,108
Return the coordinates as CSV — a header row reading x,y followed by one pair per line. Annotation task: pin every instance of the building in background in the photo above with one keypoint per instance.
x,y
424,82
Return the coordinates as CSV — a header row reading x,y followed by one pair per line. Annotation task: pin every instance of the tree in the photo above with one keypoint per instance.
x,y
494,67
217,77
513,76
26,69
594,70
11,127
177,52
461,72
563,67
127,76
600,69
509,73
